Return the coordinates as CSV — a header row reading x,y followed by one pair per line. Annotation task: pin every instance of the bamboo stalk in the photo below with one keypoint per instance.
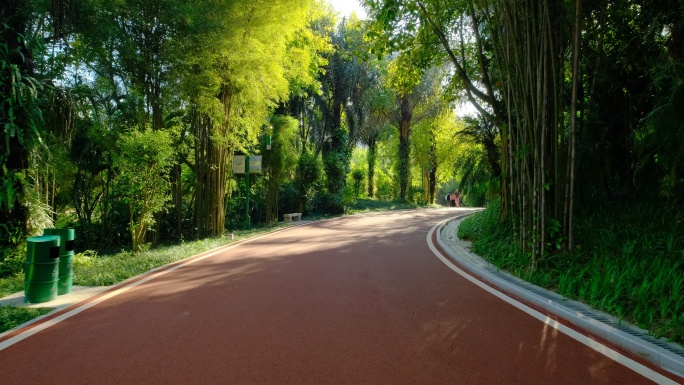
x,y
573,114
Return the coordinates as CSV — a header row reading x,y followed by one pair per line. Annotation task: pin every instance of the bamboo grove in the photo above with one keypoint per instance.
x,y
536,141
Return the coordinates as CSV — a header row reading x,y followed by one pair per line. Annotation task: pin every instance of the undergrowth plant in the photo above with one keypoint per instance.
x,y
369,204
11,316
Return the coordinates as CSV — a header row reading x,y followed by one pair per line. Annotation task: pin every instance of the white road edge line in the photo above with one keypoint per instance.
x,y
605,350
24,335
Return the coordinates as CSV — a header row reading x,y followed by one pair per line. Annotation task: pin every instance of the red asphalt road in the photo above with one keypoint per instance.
x,y
353,300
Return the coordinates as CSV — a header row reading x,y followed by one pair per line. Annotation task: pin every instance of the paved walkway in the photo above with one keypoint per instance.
x,y
350,300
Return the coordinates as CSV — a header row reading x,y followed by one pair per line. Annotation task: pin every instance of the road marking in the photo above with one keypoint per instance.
x,y
603,349
28,333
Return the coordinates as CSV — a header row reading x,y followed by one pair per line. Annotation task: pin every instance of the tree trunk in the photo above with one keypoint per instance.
x,y
177,195
573,115
432,183
404,132
432,164
403,166
372,155
210,179
138,233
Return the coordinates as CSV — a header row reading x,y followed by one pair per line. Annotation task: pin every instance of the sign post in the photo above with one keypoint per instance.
x,y
247,221
243,164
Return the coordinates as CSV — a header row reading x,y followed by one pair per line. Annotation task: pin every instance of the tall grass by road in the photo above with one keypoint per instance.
x,y
629,263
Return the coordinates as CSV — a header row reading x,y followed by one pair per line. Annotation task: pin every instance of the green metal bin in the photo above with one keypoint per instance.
x,y
66,258
41,269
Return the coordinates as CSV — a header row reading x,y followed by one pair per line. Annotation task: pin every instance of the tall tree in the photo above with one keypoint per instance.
x,y
417,97
343,80
435,148
280,160
373,130
233,82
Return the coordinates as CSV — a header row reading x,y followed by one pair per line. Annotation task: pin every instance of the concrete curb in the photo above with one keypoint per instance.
x,y
659,352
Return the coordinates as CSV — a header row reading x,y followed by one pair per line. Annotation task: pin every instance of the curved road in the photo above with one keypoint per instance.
x,y
353,300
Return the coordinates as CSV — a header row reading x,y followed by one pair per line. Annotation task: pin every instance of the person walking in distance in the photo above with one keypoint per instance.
x,y
457,201
453,200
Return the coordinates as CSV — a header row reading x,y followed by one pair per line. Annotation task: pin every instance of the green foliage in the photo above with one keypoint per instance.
x,y
336,166
368,205
143,164
11,316
309,179
660,145
39,213
21,116
280,160
282,157
11,284
386,186
20,124
14,254
358,176
306,50
478,226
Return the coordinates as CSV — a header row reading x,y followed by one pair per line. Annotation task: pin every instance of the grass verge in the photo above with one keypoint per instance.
x,y
630,263
369,205
11,316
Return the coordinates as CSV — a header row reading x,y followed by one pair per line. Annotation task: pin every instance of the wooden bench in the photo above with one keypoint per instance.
x,y
292,217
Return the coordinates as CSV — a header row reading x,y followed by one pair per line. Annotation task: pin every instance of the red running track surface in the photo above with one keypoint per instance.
x,y
353,300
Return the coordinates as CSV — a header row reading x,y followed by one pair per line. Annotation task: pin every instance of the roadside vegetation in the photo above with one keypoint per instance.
x,y
369,205
11,317
630,262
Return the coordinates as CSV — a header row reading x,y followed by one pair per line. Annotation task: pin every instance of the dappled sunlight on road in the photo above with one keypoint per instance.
x,y
449,331
548,345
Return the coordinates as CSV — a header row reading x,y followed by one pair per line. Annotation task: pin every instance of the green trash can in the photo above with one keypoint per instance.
x,y
41,269
66,258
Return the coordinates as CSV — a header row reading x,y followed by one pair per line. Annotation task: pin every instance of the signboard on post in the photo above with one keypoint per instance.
x,y
243,164
239,162
255,164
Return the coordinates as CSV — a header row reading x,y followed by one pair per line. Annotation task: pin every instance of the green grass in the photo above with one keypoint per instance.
x,y
91,269
11,316
11,285
630,263
369,205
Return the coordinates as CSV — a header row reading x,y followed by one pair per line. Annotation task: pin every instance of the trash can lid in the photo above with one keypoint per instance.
x,y
67,234
44,239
